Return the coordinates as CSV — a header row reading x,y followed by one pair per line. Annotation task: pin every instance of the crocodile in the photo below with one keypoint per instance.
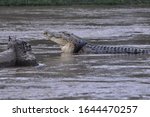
x,y
71,43
18,53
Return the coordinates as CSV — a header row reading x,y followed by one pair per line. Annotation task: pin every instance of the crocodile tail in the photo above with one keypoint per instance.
x,y
114,50
129,50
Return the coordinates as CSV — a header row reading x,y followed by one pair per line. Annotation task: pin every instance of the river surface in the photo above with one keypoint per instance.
x,y
60,76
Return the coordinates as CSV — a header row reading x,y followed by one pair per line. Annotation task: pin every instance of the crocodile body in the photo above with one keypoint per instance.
x,y
18,53
99,49
71,43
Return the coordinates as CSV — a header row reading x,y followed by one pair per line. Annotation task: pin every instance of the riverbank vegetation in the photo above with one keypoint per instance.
x,y
72,2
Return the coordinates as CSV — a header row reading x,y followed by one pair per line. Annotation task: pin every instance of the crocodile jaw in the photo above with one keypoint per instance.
x,y
65,45
59,41
55,37
68,42
68,48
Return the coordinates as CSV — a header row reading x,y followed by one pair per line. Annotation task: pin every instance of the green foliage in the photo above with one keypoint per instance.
x,y
72,2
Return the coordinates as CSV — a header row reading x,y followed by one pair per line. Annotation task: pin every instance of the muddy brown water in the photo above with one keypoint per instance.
x,y
60,76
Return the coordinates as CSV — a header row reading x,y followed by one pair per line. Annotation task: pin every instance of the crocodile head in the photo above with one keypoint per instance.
x,y
23,52
68,42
